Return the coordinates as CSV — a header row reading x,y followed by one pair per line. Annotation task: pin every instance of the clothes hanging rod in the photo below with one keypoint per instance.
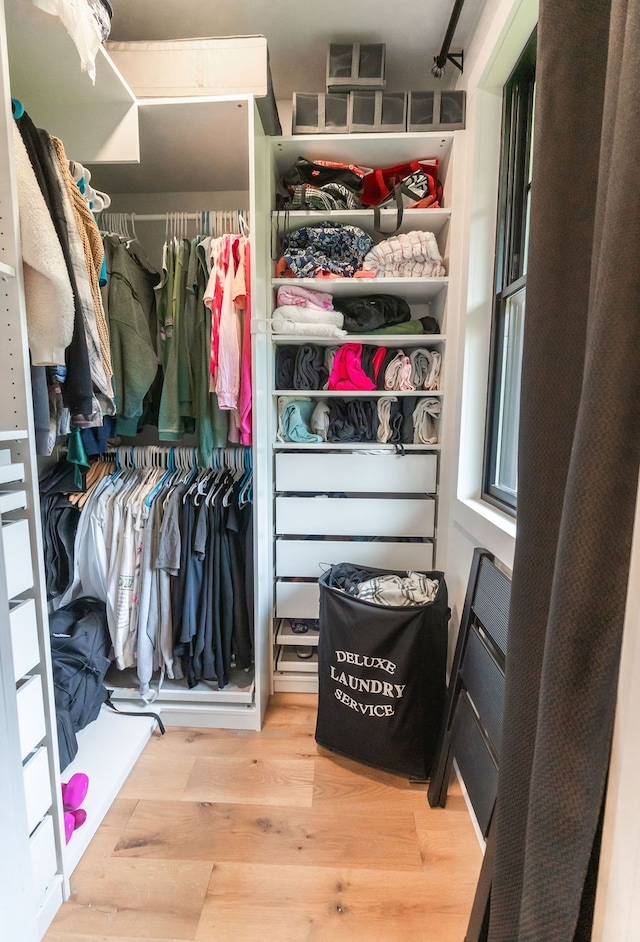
x,y
162,217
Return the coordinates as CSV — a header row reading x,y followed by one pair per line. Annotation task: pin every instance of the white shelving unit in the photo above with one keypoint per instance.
x,y
46,76
100,127
32,879
389,513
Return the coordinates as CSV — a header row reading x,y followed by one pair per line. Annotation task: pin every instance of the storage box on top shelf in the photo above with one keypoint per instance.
x,y
355,66
318,113
436,111
377,112
186,68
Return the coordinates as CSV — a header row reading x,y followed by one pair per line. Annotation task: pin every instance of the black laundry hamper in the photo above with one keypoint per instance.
x,y
381,675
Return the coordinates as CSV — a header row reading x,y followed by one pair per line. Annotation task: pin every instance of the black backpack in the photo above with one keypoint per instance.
x,y
80,647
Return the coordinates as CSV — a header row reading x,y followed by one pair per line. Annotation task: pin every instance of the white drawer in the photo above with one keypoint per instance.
x,y
11,472
357,473
37,787
336,516
311,557
31,724
24,637
12,500
43,857
297,599
17,556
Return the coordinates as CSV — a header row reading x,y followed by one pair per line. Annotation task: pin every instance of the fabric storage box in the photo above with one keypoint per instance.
x,y
377,111
185,68
436,111
317,113
381,674
356,65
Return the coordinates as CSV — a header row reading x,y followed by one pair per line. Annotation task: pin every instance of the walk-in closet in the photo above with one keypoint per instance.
x,y
266,366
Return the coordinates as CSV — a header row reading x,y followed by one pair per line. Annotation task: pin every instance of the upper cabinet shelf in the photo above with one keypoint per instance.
x,y
429,220
420,290
367,150
97,123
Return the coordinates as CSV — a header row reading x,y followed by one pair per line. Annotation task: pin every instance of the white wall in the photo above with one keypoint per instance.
x,y
501,35
617,915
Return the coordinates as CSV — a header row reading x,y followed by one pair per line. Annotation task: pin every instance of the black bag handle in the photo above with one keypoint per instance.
x,y
109,702
377,223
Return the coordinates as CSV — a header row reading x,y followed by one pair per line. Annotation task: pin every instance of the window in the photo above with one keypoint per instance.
x,y
514,201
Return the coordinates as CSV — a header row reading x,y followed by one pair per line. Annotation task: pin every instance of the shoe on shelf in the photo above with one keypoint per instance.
x,y
75,791
304,652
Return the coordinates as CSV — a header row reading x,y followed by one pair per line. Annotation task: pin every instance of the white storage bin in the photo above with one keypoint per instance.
x,y
309,558
17,556
408,474
44,865
37,787
31,724
186,68
24,637
335,516
297,599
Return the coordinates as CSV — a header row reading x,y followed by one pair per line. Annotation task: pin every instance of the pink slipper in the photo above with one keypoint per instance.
x,y
69,826
74,791
79,817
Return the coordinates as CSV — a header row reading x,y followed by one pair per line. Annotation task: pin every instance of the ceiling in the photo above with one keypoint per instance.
x,y
298,33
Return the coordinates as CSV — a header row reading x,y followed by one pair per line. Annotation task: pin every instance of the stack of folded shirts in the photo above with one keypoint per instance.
x,y
424,426
307,321
407,255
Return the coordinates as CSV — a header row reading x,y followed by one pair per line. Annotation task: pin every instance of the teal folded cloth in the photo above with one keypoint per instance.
x,y
294,419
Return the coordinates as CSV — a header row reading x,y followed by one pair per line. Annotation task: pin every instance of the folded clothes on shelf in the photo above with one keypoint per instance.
x,y
407,255
425,431
305,321
347,372
294,416
309,369
326,247
320,419
364,314
304,297
285,366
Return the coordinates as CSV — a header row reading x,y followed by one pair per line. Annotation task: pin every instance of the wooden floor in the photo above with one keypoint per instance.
x,y
266,837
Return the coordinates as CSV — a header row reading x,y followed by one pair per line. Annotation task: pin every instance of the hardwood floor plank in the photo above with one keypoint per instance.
x,y
259,834
284,782
232,835
449,847
153,777
247,902
138,898
120,811
340,784
269,743
291,709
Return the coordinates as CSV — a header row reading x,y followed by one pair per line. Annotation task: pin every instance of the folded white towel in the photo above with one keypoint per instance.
x,y
282,325
309,315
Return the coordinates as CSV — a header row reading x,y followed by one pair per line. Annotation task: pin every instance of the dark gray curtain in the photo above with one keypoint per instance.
x,y
578,470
